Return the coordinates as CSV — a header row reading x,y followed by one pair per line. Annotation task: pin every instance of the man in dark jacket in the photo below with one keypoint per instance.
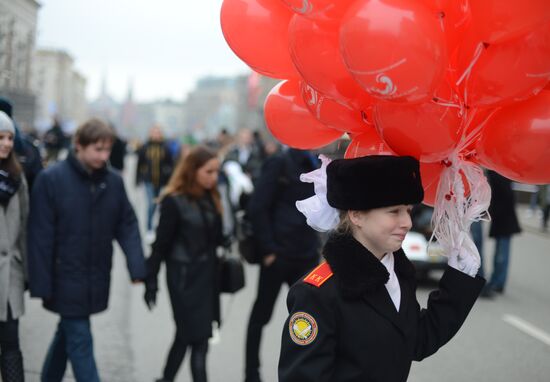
x,y
289,247
54,141
504,224
78,206
155,165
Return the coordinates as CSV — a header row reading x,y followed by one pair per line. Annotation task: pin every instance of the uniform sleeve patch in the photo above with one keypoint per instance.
x,y
319,275
302,328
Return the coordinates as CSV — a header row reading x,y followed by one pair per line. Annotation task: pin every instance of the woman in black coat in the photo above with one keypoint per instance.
x,y
187,236
355,317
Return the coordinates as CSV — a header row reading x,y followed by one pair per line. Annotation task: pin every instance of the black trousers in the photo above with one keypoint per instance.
x,y
9,334
269,285
177,354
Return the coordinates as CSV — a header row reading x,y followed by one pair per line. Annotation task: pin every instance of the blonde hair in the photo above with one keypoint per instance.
x,y
345,226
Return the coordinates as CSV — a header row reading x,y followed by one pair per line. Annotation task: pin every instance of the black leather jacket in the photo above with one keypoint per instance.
x,y
189,231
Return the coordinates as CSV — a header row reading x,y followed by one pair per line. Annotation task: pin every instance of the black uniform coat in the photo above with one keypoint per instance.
x,y
360,335
188,233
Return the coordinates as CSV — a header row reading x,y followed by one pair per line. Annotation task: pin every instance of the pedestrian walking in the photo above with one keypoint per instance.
x,y
155,165
188,234
248,152
78,207
356,317
54,141
504,224
288,246
25,147
118,152
14,206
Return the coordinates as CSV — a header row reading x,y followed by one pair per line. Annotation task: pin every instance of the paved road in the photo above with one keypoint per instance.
x,y
506,339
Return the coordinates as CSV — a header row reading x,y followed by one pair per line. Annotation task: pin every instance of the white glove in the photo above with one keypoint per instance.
x,y
465,258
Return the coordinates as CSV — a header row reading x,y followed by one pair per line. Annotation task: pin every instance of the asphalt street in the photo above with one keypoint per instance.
x,y
506,339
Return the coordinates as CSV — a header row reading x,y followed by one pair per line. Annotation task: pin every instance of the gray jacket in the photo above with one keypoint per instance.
x,y
13,253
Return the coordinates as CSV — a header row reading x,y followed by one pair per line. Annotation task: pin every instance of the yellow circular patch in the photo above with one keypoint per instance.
x,y
302,328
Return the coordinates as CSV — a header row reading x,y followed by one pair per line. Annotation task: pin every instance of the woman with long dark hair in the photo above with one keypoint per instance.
x,y
188,233
14,208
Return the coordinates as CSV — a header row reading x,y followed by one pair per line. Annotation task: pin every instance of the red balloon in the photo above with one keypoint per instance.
x,y
289,120
314,48
324,10
257,31
455,16
395,49
516,141
430,173
507,72
428,131
499,20
333,113
367,143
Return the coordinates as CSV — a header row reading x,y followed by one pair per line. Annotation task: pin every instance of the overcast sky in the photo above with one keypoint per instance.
x,y
164,46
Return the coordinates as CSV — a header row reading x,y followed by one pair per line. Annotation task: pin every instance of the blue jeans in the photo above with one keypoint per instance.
x,y
152,194
73,342
500,262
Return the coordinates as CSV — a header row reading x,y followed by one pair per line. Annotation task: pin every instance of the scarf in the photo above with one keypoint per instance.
x,y
8,187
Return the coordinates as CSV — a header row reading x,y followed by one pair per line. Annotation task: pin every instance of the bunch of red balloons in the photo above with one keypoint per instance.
x,y
426,78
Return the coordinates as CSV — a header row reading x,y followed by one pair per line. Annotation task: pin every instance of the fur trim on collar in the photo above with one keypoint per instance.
x,y
357,270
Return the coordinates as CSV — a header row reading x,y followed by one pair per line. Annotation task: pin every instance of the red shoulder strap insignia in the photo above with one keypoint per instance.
x,y
319,275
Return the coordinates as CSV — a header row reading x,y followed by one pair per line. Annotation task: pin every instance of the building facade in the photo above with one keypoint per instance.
x,y
60,89
18,20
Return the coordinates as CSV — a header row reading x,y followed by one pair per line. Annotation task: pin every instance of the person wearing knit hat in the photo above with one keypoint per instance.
x,y
6,124
355,317
13,260
26,149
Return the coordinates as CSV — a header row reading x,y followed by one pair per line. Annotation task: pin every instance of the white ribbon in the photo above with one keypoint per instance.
x,y
455,211
319,214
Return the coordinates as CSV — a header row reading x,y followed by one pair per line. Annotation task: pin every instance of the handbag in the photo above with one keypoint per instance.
x,y
231,274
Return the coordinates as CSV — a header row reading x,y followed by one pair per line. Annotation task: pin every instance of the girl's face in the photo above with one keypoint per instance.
x,y
207,174
382,230
6,144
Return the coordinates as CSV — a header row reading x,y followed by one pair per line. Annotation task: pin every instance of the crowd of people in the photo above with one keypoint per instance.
x,y
58,225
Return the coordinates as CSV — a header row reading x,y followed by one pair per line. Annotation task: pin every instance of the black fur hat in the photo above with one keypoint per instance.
x,y
373,181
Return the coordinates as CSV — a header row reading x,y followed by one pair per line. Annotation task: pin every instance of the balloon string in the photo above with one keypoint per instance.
x,y
455,209
472,135
447,103
468,70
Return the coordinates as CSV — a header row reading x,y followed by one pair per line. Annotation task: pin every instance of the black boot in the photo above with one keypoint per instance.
x,y
11,366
